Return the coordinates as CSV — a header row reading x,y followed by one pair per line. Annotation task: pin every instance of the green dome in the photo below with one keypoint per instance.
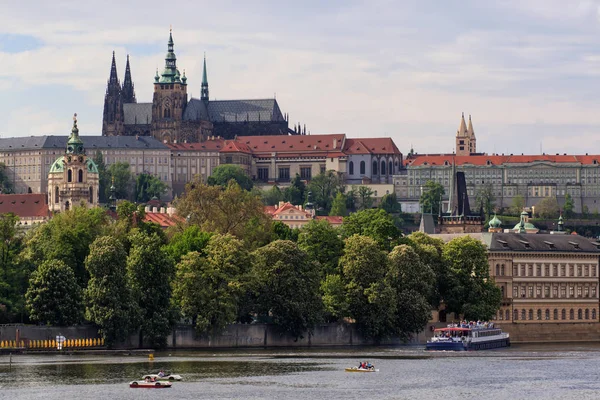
x,y
495,222
57,166
528,226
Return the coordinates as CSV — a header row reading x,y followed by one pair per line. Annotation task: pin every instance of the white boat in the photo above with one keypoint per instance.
x,y
468,337
169,377
149,384
356,369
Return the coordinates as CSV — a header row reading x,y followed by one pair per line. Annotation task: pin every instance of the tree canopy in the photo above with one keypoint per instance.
x,y
431,197
222,174
324,188
123,180
375,223
148,187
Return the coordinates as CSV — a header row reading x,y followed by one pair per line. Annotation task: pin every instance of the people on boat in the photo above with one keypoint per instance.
x,y
161,373
369,365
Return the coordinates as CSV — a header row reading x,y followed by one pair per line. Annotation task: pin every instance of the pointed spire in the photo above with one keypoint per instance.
x,y
462,128
113,79
75,144
128,91
204,90
470,131
170,73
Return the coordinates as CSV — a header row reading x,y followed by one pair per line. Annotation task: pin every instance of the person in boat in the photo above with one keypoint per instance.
x,y
161,373
369,365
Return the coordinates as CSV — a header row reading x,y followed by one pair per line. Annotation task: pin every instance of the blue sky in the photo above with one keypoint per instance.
x,y
528,71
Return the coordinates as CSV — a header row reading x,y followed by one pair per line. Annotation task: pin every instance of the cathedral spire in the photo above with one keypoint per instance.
x,y
128,92
462,128
470,130
204,90
75,144
113,79
170,73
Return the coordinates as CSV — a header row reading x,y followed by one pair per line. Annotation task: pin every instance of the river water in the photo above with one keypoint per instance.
x,y
518,372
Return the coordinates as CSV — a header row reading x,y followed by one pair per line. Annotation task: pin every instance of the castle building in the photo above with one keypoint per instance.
x,y
172,117
73,178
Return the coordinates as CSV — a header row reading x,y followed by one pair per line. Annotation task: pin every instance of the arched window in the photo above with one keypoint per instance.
x,y
69,175
382,167
563,314
497,269
547,314
523,315
91,195
391,168
579,314
80,177
539,315
167,113
516,315
374,172
502,291
351,168
56,195
587,313
571,314
67,206
507,315
556,314
502,270
362,168
531,315
593,313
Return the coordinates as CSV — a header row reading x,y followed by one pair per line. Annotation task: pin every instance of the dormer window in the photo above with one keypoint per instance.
x,y
575,245
503,243
488,162
550,244
525,243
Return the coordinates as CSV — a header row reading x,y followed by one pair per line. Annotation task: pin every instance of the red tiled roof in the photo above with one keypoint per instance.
x,y
332,219
234,146
420,160
24,205
208,145
162,219
370,146
270,210
294,144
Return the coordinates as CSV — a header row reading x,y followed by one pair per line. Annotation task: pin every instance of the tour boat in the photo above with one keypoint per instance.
x,y
468,337
149,384
157,377
356,369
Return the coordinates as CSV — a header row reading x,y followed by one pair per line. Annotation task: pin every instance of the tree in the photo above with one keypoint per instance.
x,y
148,187
208,289
192,238
486,200
371,299
229,210
14,274
325,187
338,207
365,197
375,223
429,250
54,297
335,302
108,299
568,206
123,180
518,203
431,197
471,293
272,196
150,272
323,244
296,192
104,179
547,208
287,287
283,232
389,203
222,174
6,186
413,282
351,199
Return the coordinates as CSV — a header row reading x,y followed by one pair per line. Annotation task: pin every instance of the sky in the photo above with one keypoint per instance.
x,y
528,71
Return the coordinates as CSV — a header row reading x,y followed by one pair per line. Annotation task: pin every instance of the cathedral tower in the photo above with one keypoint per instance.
x,y
462,138
128,92
112,118
170,99
472,140
204,89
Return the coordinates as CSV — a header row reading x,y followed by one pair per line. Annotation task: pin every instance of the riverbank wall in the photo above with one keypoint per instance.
x,y
325,335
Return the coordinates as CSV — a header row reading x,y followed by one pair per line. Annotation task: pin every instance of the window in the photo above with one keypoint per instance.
x,y
563,291
578,291
383,168
91,195
530,294
555,271
556,314
305,172
530,271
502,270
554,291
571,314
547,270
56,195
539,315
579,270
547,291
587,313
284,174
263,174
538,270
507,315
322,168
562,270
563,314
547,314
515,271
374,172
351,168
515,315
593,291
523,315
531,315
362,168
497,269
391,168
571,291
522,291
228,160
593,313
538,291
69,176
515,292
80,177
571,271
579,314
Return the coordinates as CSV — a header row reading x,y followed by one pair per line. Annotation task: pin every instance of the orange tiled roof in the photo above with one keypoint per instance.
x,y
270,210
293,144
162,219
24,205
235,146
370,146
332,219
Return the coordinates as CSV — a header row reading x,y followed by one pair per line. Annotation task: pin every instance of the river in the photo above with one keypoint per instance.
x,y
519,372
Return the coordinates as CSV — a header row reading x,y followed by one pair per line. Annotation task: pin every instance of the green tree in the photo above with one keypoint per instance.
x,y
150,272
323,244
123,179
389,203
148,187
429,250
6,186
431,197
54,297
338,207
296,192
518,203
486,200
108,299
414,283
335,301
547,208
365,197
568,206
192,238
14,274
104,179
222,174
229,210
375,223
272,196
472,293
287,287
325,187
208,289
371,299
351,199
283,232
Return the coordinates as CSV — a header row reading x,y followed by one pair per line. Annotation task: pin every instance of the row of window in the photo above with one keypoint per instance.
x,y
539,314
536,291
549,270
385,169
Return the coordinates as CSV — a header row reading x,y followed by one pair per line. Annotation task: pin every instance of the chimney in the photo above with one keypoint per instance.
x,y
154,209
163,210
148,209
335,143
280,204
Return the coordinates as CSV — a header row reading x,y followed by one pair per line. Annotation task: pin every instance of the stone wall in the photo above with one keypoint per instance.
x,y
552,333
33,332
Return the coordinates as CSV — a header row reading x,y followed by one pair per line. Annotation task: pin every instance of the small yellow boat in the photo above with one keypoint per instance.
x,y
356,369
